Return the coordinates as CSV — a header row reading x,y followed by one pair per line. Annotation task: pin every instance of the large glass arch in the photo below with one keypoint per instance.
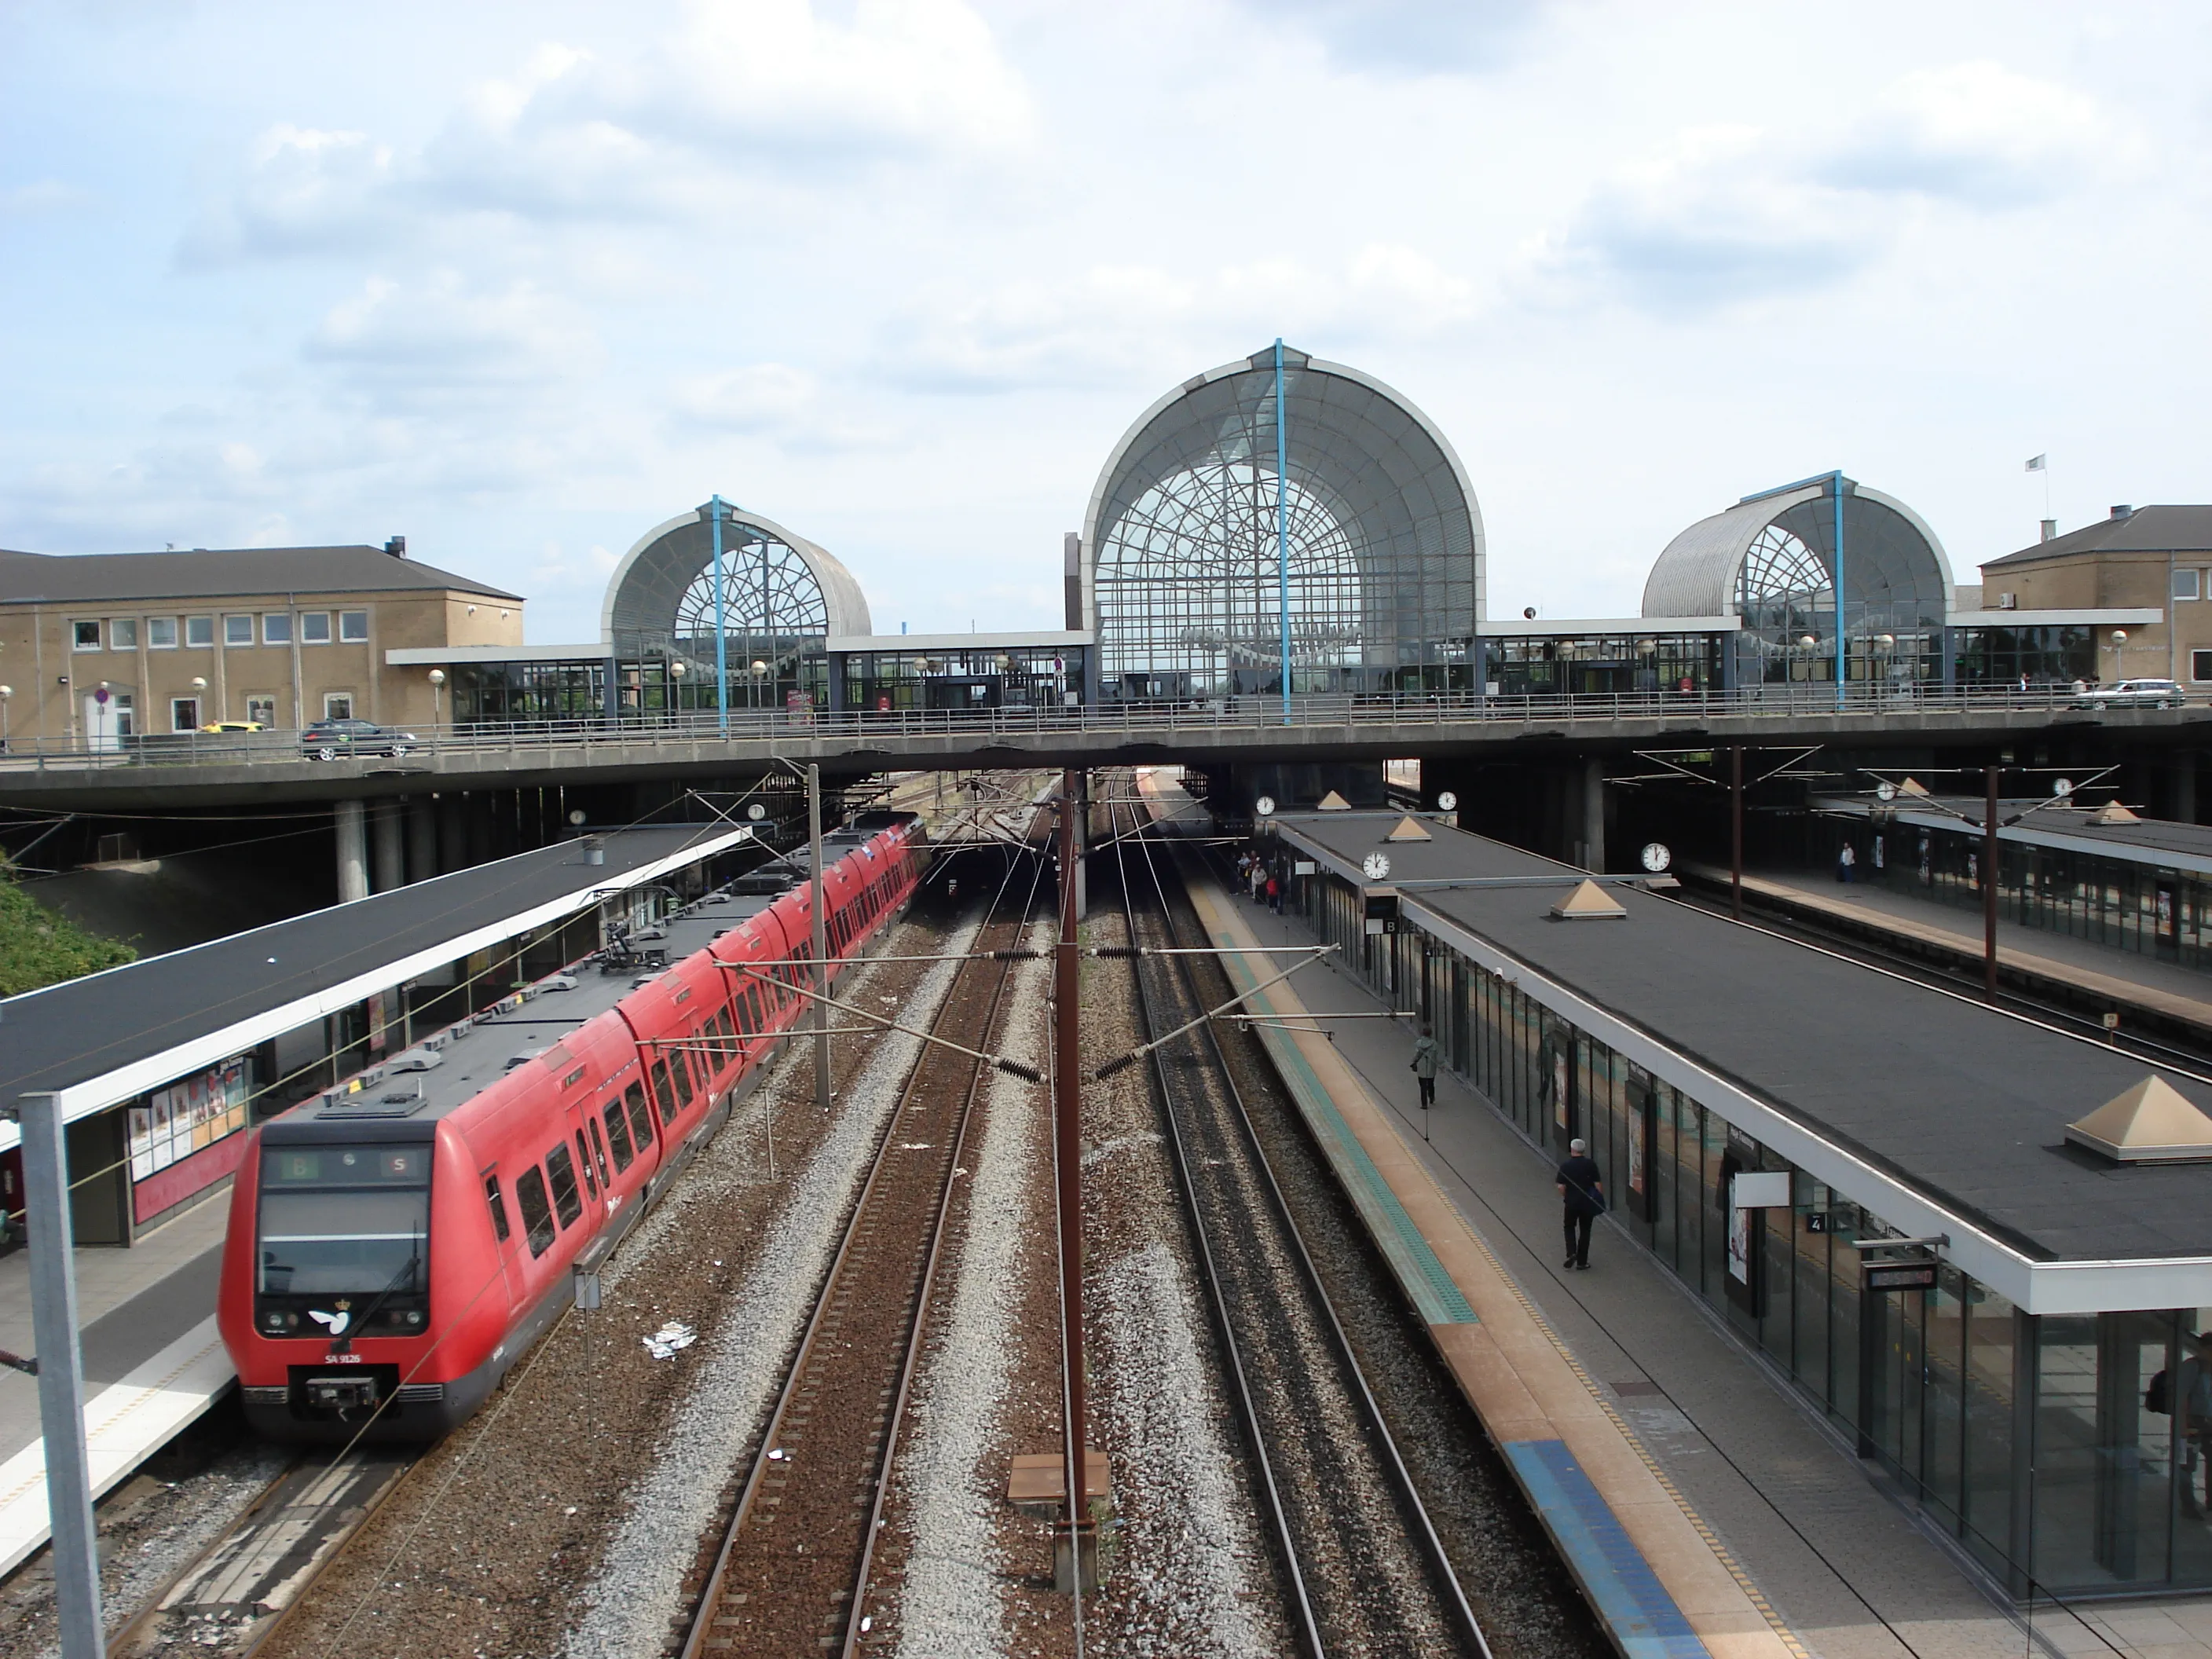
x,y
1183,573
783,599
1770,563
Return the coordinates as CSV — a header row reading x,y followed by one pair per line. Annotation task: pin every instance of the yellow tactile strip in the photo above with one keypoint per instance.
x,y
1520,1378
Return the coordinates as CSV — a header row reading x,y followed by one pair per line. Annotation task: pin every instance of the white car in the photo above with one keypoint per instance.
x,y
2134,694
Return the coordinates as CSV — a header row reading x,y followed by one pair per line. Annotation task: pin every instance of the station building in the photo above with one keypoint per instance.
x,y
104,648
1762,1109
1284,522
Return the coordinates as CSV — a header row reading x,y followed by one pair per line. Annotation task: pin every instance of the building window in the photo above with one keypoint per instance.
x,y
276,628
199,630
183,713
238,630
314,628
352,627
122,634
337,704
161,633
85,636
2200,664
261,711
2185,585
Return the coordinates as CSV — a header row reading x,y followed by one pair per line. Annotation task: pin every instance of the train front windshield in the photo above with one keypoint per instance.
x,y
344,1220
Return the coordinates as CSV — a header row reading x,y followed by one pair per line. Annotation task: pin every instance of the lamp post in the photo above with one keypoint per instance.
x,y
7,696
760,682
437,698
675,688
2119,645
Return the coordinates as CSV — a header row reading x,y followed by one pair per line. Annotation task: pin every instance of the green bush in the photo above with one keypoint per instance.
x,y
38,947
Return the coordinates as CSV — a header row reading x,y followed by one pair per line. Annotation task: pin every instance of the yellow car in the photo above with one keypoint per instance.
x,y
232,725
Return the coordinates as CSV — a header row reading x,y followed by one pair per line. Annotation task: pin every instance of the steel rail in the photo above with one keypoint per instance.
x,y
701,1626
1428,1545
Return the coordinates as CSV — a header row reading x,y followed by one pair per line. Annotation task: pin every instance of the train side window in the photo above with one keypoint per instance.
x,y
583,1158
640,1120
683,1083
598,1150
728,1032
618,1135
537,1212
664,1092
747,1012
563,1169
498,1207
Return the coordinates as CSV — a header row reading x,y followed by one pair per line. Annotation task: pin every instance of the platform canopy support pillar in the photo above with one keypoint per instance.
x,y
353,851
60,1376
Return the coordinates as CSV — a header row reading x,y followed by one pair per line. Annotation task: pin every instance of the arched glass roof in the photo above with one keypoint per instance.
x,y
781,594
1180,573
1770,562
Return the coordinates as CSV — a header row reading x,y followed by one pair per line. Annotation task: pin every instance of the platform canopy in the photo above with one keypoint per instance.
x,y
1181,575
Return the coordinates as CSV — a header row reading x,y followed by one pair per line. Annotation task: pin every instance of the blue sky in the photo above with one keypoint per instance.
x,y
521,280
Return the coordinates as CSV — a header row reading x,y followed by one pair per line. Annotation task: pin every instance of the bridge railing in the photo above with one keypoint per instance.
x,y
699,732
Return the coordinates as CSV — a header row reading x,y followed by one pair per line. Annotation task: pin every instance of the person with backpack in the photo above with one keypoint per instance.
x,y
1581,1191
2189,1398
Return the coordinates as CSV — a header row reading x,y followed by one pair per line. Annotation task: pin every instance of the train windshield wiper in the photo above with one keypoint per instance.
x,y
344,1344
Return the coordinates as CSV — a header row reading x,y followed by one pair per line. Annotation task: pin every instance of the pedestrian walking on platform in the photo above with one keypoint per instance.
x,y
1847,864
1275,896
1582,1190
2192,1402
1426,1051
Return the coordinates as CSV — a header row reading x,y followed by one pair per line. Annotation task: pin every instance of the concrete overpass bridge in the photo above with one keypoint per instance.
x,y
196,771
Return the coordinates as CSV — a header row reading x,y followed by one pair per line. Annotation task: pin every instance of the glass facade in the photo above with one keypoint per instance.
x,y
2038,1442
2122,902
1367,532
1563,666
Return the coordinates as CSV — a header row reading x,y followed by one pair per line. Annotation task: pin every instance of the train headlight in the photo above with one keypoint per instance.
x,y
275,1321
415,1318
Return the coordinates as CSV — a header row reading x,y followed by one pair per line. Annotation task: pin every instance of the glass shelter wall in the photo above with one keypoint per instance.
x,y
2044,1446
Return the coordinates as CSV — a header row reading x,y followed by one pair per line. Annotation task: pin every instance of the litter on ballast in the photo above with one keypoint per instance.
x,y
664,1343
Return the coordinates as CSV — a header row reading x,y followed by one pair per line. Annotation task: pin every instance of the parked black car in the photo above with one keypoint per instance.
x,y
329,739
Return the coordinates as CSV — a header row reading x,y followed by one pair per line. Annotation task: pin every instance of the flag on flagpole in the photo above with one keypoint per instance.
x,y
2035,463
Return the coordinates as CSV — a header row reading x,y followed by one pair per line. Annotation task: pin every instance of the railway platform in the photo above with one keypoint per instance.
x,y
1708,1487
2035,957
152,1362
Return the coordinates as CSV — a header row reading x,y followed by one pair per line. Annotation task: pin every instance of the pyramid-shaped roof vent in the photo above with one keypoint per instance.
x,y
1409,829
2151,1123
2114,814
1333,802
1588,903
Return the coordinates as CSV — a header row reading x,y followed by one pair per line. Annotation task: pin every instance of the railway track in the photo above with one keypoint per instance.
x,y
1364,1571
793,1569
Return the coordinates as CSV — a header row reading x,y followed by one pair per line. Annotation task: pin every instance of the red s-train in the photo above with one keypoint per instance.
x,y
390,1254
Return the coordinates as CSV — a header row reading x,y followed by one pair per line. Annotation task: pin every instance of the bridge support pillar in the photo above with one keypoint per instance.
x,y
452,831
2185,786
353,851
1082,811
1591,853
421,839
391,851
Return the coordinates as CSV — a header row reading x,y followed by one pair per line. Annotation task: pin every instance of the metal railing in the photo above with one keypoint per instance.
x,y
699,733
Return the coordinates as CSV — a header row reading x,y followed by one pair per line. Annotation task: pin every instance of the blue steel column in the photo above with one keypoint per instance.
x,y
721,632
1283,525
1836,484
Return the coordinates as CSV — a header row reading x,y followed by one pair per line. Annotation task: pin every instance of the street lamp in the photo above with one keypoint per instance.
x,y
437,696
2119,644
7,695
760,681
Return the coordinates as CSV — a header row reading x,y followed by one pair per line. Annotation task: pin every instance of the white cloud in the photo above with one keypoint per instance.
x,y
1736,212
740,98
785,405
40,195
1114,324
1418,37
1979,133
440,339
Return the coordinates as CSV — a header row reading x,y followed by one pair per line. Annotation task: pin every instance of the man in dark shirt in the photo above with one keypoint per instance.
x,y
1582,1189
